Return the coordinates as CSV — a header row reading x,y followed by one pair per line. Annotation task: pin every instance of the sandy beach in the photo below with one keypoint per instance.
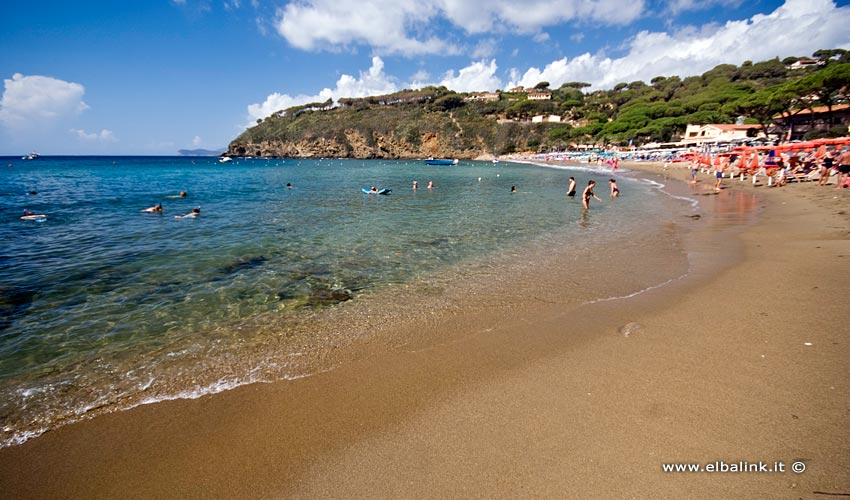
x,y
744,359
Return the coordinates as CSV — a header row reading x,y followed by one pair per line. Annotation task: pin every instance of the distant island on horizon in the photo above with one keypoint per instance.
x,y
201,152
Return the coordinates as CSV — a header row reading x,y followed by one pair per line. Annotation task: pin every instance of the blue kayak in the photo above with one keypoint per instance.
x,y
380,191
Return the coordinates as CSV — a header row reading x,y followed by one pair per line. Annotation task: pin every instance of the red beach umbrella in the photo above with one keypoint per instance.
x,y
754,162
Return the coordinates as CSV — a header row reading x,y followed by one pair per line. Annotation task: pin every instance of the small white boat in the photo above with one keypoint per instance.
x,y
432,161
225,159
31,156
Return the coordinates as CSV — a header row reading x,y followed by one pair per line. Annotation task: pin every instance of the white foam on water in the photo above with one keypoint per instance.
x,y
639,292
660,187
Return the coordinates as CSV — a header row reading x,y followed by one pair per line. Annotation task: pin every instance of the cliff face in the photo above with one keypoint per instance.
x,y
354,144
403,131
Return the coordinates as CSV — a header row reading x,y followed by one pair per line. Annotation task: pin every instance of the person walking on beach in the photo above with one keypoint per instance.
x,y
588,194
843,166
719,175
615,191
825,168
571,191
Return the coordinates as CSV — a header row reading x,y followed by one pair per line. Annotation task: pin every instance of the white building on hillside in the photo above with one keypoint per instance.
x,y
549,119
483,96
720,132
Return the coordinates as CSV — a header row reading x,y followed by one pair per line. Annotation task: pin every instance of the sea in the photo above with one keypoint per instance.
x,y
104,306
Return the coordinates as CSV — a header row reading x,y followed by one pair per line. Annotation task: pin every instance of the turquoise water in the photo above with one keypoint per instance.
x,y
103,306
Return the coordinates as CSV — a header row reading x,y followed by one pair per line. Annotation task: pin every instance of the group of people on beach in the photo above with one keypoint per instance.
x,y
784,167
808,166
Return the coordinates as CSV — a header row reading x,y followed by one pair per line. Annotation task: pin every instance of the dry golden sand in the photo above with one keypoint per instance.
x,y
720,369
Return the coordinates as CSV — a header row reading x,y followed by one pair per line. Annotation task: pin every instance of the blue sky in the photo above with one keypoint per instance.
x,y
153,77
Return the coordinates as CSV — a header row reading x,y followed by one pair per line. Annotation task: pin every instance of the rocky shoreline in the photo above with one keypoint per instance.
x,y
355,146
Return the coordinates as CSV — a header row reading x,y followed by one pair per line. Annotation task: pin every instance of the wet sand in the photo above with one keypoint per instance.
x,y
746,359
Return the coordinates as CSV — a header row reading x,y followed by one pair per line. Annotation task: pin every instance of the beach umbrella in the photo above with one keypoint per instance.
x,y
744,158
836,141
754,162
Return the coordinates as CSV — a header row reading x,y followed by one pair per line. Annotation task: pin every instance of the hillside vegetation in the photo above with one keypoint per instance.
x,y
435,121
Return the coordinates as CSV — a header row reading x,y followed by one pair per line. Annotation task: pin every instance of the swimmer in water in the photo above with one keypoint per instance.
x,y
615,191
588,194
191,215
571,191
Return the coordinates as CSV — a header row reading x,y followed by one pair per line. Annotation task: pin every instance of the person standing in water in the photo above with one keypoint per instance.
x,y
571,191
588,194
615,191
718,183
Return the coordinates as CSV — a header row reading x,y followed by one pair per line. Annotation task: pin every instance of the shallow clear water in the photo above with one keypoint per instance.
x,y
101,302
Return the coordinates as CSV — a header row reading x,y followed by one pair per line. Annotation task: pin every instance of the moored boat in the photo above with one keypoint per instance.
x,y
433,161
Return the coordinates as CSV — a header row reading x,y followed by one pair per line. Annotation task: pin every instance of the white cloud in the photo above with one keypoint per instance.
x,y
372,82
104,135
413,27
485,48
420,76
261,25
799,27
477,76
381,24
196,141
530,16
33,101
541,37
677,6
